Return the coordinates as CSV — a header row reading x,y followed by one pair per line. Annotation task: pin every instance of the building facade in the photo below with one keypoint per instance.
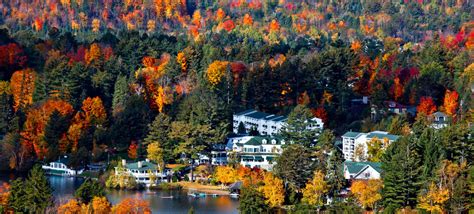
x,y
265,124
144,172
256,151
351,140
439,120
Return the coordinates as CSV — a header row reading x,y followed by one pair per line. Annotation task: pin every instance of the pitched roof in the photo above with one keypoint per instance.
x,y
145,166
439,114
357,167
258,140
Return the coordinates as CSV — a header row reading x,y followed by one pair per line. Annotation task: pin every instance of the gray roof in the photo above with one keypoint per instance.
x,y
261,115
257,115
439,114
245,112
351,134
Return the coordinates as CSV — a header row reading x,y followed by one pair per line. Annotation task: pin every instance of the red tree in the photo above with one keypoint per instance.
x,y
426,106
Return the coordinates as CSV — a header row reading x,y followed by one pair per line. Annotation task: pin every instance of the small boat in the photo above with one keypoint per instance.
x,y
202,194
151,193
214,195
169,197
193,195
234,195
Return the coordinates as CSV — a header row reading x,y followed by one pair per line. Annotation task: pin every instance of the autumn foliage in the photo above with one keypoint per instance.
x,y
273,190
71,207
132,150
426,106
367,192
216,71
132,206
36,121
225,174
22,85
450,102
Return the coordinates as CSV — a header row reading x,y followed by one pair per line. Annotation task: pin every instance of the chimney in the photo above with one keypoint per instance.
x,y
147,160
139,164
124,162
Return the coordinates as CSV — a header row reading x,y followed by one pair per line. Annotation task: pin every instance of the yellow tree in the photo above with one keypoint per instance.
x,y
367,192
433,200
216,71
101,205
71,207
273,190
359,153
155,153
315,189
94,53
225,174
374,150
163,97
22,85
181,59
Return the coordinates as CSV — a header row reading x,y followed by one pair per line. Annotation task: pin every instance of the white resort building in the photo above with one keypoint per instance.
x,y
256,151
265,124
60,167
351,140
142,171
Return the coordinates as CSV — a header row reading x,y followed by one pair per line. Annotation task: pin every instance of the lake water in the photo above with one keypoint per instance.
x,y
64,188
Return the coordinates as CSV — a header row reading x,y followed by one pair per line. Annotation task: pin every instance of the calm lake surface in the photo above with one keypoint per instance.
x,y
64,188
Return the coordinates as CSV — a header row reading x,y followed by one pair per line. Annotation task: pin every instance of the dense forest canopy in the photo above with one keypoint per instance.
x,y
161,79
91,74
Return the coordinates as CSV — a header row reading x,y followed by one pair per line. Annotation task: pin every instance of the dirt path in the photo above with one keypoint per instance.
x,y
204,188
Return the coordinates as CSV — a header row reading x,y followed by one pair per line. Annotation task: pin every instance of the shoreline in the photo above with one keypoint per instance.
x,y
203,188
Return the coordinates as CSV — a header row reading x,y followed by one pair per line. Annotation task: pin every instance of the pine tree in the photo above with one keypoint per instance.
x,y
252,201
120,93
17,197
295,166
88,190
401,173
297,131
54,130
158,132
33,195
6,112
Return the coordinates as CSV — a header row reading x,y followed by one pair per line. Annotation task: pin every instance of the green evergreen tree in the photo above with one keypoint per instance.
x,y
17,198
252,201
158,131
298,129
35,194
120,93
6,112
54,130
241,129
88,190
295,166
401,174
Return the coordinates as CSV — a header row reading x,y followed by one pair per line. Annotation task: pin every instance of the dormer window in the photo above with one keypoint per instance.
x,y
264,141
274,141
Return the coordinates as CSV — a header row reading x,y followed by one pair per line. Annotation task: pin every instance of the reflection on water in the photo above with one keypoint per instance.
x,y
160,202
